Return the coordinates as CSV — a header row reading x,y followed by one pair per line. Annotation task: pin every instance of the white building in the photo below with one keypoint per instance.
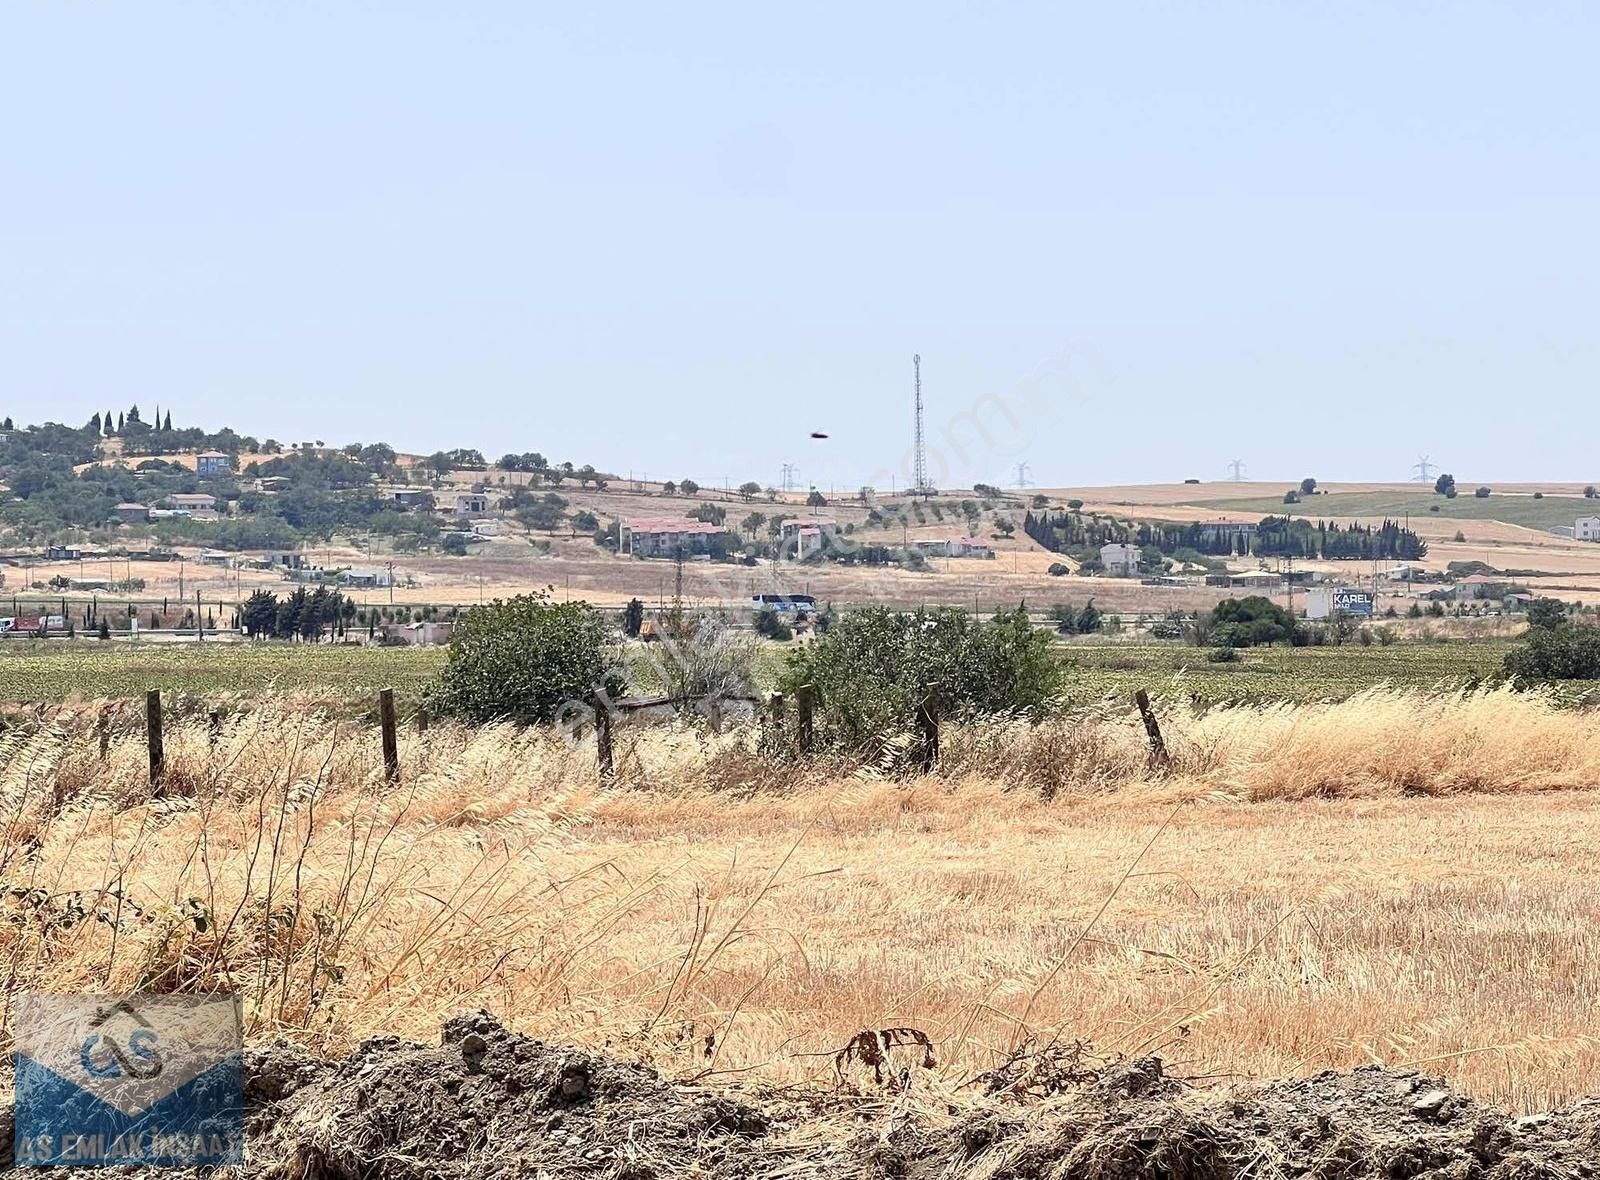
x,y
1587,528
1121,561
810,535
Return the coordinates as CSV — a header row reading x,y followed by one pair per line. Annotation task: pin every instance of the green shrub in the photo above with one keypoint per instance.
x,y
874,668
1249,622
771,625
1565,652
521,659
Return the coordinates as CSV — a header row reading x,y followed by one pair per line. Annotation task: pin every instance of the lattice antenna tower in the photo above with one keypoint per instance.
x,y
919,475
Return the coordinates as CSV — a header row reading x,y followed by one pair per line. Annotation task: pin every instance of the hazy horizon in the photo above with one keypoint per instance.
x,y
1137,242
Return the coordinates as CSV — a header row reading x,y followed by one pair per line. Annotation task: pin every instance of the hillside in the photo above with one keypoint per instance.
x,y
138,512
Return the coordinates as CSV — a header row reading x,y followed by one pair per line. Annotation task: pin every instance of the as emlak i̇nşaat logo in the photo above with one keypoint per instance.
x,y
141,1079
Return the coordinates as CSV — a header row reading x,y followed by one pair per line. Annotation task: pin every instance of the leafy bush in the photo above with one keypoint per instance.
x,y
1248,622
771,625
1057,570
1071,621
874,668
522,658
1565,652
1547,613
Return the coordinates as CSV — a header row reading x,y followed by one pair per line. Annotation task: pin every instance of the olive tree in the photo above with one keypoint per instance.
x,y
522,658
875,668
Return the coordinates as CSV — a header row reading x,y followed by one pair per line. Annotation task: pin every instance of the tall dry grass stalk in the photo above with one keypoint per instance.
x,y
721,911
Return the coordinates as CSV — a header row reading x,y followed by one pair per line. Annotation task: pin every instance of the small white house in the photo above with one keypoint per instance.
x,y
1121,561
1587,528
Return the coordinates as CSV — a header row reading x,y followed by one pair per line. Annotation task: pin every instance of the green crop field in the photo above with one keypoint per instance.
x,y
52,671
32,672
1276,673
1518,509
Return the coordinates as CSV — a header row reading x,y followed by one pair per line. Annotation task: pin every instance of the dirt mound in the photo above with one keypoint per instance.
x,y
486,1102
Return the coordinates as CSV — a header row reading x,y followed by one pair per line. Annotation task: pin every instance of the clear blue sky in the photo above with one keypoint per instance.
x,y
679,238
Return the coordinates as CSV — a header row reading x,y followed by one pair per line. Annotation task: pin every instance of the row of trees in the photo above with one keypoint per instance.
x,y
1072,532
308,615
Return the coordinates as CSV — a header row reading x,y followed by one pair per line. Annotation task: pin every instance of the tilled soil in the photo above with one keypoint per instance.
x,y
489,1103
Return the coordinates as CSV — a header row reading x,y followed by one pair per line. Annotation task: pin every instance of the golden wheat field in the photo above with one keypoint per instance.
x,y
1397,878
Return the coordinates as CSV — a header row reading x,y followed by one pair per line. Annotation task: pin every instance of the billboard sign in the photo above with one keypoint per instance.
x,y
1360,604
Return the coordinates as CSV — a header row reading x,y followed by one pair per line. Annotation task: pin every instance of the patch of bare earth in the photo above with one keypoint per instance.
x,y
488,1102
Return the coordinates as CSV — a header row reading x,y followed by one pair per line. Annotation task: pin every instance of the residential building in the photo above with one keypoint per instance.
x,y
208,463
407,497
1587,528
1120,561
1479,586
215,557
810,534
193,501
971,547
132,513
667,536
471,503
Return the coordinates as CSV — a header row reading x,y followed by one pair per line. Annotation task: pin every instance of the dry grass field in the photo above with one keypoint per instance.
x,y
1398,878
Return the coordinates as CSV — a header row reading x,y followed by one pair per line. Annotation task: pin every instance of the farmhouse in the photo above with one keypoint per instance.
x,y
132,513
193,501
959,547
367,579
666,536
1479,586
408,497
471,503
1121,561
810,536
212,463
1587,528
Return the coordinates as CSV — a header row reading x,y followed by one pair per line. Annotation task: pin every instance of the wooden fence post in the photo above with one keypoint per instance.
x,y
422,718
772,723
928,730
604,755
802,703
1159,758
391,740
152,734
104,730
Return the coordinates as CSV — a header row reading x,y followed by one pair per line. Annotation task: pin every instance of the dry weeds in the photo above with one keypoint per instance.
x,y
1397,878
